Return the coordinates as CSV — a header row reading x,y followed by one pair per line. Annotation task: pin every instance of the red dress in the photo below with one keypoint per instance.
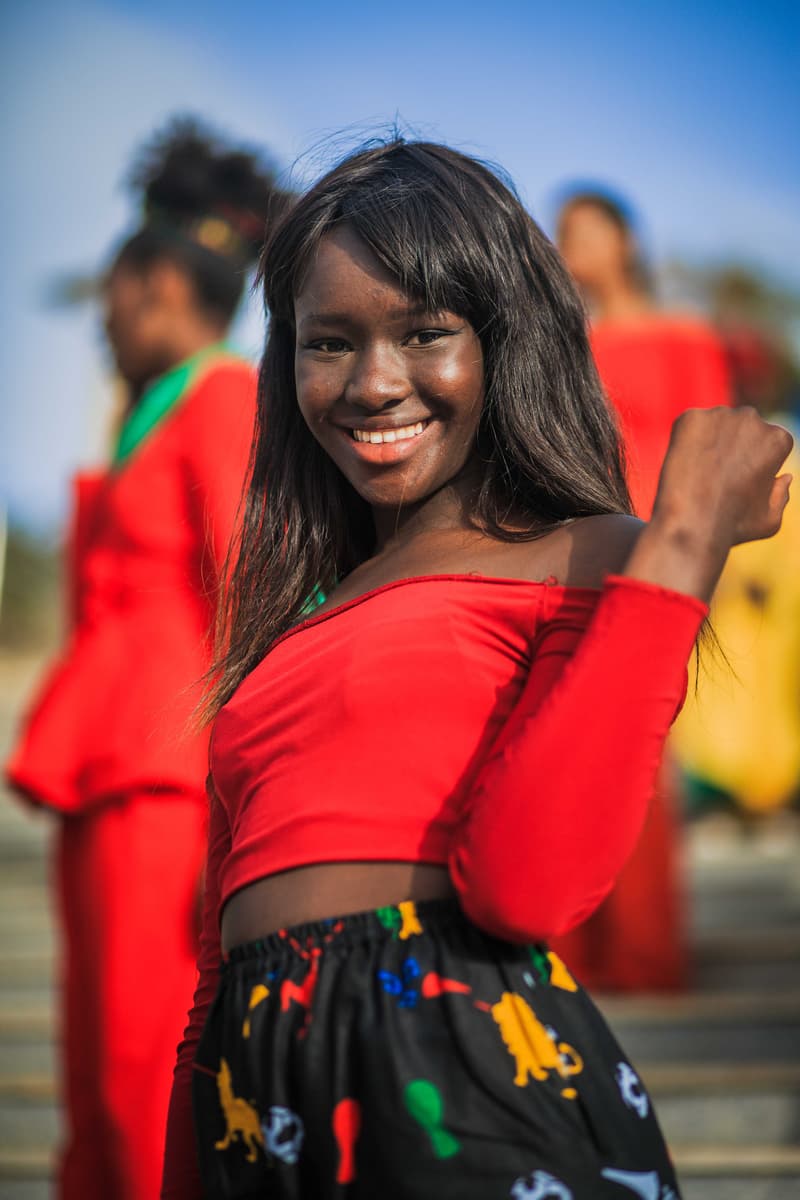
x,y
108,745
653,368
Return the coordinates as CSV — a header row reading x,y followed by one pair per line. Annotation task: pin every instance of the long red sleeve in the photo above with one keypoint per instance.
x,y
181,1174
560,801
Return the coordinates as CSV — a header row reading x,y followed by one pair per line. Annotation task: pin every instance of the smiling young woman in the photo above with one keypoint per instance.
x,y
450,760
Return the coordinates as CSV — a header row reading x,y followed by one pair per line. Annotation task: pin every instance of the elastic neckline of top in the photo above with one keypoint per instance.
x,y
472,577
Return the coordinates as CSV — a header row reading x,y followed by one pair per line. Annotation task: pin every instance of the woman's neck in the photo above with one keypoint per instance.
x,y
617,299
449,510
185,345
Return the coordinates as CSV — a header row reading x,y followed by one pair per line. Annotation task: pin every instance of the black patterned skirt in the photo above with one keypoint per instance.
x,y
402,1054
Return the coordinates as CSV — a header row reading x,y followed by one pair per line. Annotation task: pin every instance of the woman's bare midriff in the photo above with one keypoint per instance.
x,y
326,890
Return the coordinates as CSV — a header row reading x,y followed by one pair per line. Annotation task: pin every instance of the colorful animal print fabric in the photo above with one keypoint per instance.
x,y
404,1054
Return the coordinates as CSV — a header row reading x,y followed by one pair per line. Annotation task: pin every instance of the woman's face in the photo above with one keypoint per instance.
x,y
129,322
143,308
392,393
594,248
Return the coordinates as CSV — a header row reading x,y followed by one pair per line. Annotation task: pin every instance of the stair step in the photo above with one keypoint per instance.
x,y
29,1127
28,869
772,1041
756,945
34,1163
20,1059
27,1088
722,1161
28,963
696,1122
694,1007
746,912
739,975
673,1078
28,1013
745,1187
35,1024
25,1189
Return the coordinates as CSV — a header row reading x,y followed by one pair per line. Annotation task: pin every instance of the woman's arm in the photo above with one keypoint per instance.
x,y
559,804
181,1179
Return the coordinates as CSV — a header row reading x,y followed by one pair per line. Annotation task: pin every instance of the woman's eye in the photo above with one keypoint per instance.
x,y
328,345
427,337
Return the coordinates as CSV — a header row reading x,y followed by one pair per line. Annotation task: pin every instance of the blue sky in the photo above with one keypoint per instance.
x,y
693,110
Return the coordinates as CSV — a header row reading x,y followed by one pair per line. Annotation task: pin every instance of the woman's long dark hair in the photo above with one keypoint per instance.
x,y
455,237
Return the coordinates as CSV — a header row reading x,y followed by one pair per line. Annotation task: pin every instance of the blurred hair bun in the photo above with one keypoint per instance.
x,y
190,179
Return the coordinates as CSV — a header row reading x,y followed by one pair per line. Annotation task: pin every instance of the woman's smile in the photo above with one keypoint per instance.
x,y
384,444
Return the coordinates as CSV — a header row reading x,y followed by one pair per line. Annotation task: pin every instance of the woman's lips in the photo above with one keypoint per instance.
x,y
388,445
377,437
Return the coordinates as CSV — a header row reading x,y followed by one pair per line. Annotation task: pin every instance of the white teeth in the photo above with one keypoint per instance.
x,y
377,436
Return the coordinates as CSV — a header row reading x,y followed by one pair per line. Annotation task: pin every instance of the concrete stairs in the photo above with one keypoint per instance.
x,y
723,1062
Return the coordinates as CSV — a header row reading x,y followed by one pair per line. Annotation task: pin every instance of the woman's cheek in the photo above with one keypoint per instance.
x,y
316,390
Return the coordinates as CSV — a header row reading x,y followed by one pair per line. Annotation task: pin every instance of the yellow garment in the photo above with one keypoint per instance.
x,y
741,732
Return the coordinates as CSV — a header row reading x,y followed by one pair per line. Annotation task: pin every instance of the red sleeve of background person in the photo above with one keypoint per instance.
x,y
653,370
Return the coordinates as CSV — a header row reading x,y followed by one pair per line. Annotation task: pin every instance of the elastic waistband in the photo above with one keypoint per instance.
x,y
398,921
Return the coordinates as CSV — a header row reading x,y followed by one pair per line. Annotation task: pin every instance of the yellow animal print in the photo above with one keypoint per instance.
x,y
559,975
259,993
573,1065
526,1039
411,923
241,1118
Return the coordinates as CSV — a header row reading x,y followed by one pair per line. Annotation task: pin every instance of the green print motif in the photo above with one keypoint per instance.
x,y
424,1103
390,918
541,962
401,919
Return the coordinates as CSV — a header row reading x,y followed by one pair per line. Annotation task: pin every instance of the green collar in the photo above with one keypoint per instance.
x,y
158,400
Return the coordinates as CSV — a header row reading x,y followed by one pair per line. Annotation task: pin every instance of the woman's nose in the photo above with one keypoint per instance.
x,y
378,378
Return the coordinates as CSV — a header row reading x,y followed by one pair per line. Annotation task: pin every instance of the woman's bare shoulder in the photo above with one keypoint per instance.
x,y
582,553
600,546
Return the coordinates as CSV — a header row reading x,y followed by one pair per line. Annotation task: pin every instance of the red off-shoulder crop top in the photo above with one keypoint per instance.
x,y
507,729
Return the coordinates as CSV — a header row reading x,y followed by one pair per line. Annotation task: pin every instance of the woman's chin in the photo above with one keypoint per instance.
x,y
385,497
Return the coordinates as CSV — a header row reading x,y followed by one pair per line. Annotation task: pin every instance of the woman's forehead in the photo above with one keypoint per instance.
x,y
343,270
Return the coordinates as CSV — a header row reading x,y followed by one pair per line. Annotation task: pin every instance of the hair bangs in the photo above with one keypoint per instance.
x,y
415,234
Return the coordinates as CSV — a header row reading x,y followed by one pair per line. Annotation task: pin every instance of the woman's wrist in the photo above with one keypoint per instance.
x,y
674,553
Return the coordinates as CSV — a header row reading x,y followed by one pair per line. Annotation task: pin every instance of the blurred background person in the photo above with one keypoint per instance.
x,y
107,745
738,742
654,365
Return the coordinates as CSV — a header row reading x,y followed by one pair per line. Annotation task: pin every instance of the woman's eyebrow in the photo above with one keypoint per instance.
x,y
395,314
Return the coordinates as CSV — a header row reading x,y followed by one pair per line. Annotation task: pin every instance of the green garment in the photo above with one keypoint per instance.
x,y
313,602
159,399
